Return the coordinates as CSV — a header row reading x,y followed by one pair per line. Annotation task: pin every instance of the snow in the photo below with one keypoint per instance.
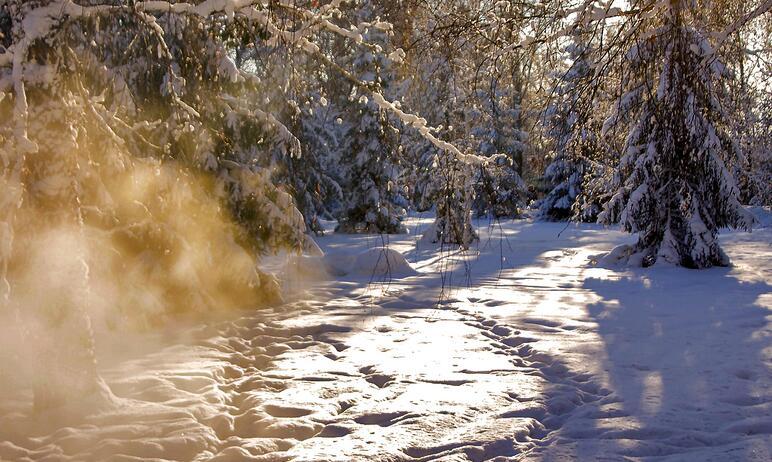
x,y
380,262
519,349
763,216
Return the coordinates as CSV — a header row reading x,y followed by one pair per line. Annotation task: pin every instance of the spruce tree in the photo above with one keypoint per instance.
x,y
316,175
494,128
374,201
134,151
574,141
673,185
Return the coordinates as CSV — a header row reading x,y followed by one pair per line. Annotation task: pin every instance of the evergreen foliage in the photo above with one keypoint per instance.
x,y
674,186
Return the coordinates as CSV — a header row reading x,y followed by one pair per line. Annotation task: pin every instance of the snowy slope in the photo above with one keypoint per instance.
x,y
516,350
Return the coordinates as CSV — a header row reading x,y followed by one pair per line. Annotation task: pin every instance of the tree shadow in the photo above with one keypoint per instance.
x,y
682,350
685,359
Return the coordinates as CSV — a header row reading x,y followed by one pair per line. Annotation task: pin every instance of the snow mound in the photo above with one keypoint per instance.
x,y
429,237
374,262
382,261
307,267
763,216
621,255
625,256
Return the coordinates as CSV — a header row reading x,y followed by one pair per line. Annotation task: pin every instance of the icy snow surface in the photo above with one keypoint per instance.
x,y
517,350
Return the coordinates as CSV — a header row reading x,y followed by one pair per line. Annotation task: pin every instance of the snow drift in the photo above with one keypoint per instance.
x,y
376,262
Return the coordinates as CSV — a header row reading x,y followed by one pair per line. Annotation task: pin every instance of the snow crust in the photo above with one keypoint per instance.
x,y
519,349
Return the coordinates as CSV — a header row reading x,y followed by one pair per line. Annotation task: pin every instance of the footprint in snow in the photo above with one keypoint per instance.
x,y
286,412
376,378
384,419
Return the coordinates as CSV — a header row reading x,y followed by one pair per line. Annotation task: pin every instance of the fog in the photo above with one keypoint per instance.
x,y
125,247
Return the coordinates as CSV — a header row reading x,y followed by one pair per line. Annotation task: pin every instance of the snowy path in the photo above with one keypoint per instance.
x,y
541,357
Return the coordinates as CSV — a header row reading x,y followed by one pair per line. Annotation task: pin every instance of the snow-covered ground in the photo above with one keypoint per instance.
x,y
516,350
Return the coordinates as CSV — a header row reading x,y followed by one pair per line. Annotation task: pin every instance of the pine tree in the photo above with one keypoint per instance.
x,y
495,134
759,158
130,143
569,127
752,128
674,187
316,175
452,193
296,97
375,202
134,134
431,93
